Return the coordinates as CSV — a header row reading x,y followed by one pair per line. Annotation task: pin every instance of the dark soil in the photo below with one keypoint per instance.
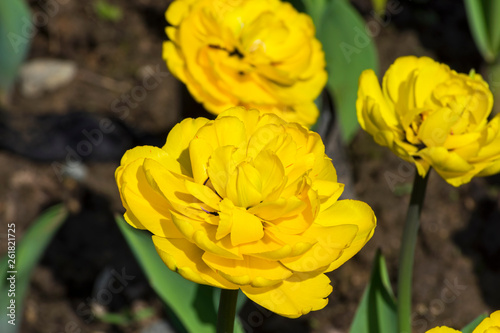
x,y
457,270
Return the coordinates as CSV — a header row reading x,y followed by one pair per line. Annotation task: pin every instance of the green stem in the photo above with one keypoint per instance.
x,y
227,310
407,253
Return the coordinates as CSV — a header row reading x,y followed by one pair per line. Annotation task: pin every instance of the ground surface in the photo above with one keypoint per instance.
x,y
457,268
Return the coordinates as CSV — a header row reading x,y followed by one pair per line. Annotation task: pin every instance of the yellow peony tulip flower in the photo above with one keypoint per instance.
x,y
253,53
488,325
432,116
442,329
246,201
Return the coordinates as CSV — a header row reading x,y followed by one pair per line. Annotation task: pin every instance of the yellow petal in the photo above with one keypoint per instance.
x,y
490,324
303,113
178,141
297,224
281,208
204,194
296,296
249,271
299,243
435,129
244,186
267,248
177,11
175,61
323,169
222,164
430,74
492,168
199,154
184,258
173,189
351,212
398,73
155,153
203,235
249,117
331,243
328,192
373,112
452,167
246,228
146,208
271,172
262,138
226,208
226,131
442,329
460,141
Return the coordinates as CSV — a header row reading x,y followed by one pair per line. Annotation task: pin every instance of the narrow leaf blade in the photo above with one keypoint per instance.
x,y
349,49
15,29
494,26
191,303
27,253
377,311
473,324
478,26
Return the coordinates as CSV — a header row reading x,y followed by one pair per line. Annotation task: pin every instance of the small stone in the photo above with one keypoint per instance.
x,y
43,75
160,326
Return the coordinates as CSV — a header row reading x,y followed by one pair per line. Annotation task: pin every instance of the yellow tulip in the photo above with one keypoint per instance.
x,y
432,116
488,325
253,53
246,201
442,329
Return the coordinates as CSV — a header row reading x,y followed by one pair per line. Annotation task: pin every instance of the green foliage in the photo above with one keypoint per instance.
x,y
191,303
27,253
377,311
15,30
483,16
403,189
107,11
126,317
349,50
473,324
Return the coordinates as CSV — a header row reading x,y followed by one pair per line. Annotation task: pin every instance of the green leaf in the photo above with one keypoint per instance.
x,y
27,253
493,21
477,18
473,324
349,49
191,303
126,317
377,311
15,37
107,11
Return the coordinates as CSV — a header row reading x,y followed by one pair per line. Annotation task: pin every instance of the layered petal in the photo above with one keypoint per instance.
x,y
183,257
432,116
296,296
490,324
442,329
246,201
351,212
258,54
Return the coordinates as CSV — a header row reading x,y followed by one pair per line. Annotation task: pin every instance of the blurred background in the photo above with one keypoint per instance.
x,y
93,84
